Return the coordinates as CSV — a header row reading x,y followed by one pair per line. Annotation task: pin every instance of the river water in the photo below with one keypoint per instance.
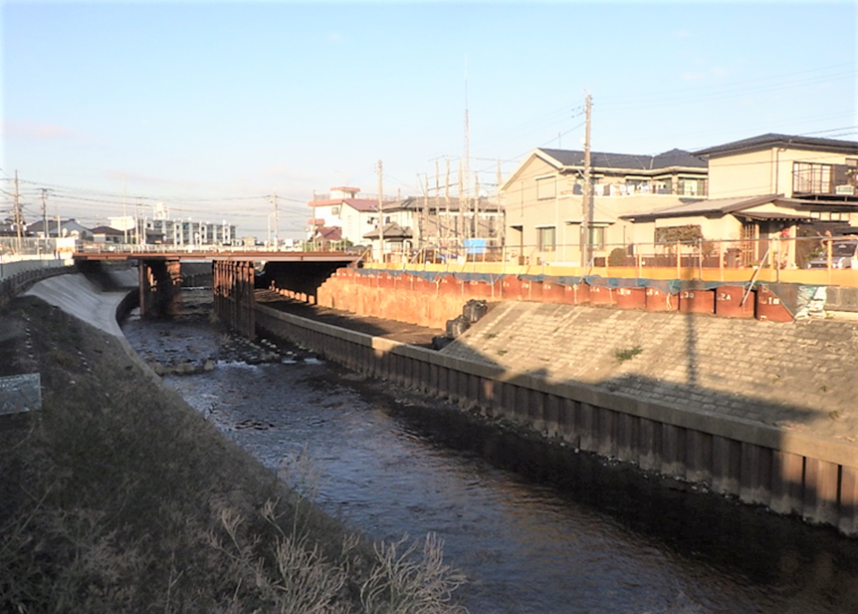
x,y
536,528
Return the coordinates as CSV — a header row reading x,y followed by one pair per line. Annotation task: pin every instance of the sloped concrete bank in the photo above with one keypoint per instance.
x,y
683,431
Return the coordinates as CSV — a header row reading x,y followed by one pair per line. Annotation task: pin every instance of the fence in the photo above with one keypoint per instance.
x,y
813,260
15,277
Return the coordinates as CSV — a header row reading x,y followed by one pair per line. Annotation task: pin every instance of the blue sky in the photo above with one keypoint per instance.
x,y
212,106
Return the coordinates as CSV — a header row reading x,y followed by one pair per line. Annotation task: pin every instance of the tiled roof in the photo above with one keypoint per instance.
x,y
772,139
360,204
106,230
704,207
329,233
392,230
598,159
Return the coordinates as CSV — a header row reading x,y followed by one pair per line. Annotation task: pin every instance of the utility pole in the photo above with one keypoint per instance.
x,y
447,200
460,227
424,230
476,207
499,211
124,213
467,166
276,222
45,211
380,213
17,216
587,205
437,205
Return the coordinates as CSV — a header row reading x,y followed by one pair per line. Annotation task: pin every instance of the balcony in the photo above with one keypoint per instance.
x,y
690,187
825,181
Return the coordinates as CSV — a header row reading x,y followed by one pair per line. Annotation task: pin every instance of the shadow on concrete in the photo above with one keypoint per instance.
x,y
377,327
300,277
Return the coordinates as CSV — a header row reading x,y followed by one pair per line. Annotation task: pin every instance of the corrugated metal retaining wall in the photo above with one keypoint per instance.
x,y
788,472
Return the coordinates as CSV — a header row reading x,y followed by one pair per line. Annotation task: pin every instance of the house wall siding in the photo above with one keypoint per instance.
x,y
564,212
761,172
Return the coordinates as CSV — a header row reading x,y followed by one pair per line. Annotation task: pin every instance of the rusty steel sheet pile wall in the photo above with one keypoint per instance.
x,y
789,472
430,299
234,302
404,298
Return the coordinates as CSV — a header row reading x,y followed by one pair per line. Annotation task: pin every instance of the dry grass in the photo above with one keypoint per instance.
x,y
117,497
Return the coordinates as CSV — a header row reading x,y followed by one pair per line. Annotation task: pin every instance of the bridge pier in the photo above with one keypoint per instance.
x,y
234,301
160,288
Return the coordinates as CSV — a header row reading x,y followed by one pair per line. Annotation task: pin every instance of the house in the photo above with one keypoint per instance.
x,y
544,198
440,221
768,186
398,241
327,237
60,228
409,223
344,209
106,234
8,229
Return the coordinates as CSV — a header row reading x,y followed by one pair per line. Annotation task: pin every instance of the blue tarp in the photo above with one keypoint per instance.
x,y
475,246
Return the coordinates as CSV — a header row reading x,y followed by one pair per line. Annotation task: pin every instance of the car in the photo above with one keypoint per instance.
x,y
844,255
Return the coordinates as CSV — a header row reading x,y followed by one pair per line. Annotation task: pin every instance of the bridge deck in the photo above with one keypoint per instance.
x,y
253,255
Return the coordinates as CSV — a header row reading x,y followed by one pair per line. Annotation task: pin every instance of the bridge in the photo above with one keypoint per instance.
x,y
234,277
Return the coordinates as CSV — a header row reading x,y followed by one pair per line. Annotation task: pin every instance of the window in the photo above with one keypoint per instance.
x,y
684,234
597,237
546,187
335,210
691,187
545,238
809,178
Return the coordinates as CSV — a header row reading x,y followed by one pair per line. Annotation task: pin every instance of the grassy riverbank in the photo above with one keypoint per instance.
x,y
117,497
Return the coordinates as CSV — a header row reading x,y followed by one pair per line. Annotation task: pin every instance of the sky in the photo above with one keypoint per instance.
x,y
213,107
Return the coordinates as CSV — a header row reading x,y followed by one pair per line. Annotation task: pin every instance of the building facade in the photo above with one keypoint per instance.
x,y
766,188
544,199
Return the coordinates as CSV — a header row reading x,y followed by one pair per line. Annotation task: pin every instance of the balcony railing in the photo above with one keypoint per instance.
x,y
693,188
811,179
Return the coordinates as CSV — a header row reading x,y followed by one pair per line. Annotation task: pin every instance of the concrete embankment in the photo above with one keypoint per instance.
x,y
77,295
760,410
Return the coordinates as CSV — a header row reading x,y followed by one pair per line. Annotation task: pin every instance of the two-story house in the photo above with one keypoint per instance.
x,y
545,204
409,223
766,186
343,209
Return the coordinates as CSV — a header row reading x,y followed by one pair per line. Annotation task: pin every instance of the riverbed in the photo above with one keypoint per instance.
x,y
536,527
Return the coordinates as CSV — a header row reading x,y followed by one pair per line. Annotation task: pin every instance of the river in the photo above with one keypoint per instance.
x,y
537,528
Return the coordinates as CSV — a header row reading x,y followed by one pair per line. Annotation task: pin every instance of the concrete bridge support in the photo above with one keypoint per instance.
x,y
160,288
234,302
